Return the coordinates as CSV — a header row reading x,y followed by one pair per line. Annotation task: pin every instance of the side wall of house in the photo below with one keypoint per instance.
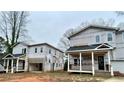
x,y
118,66
55,57
118,52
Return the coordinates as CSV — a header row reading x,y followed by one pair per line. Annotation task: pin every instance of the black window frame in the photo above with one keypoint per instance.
x,y
35,50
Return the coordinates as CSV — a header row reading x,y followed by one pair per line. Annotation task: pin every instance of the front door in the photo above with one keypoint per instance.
x,y
101,62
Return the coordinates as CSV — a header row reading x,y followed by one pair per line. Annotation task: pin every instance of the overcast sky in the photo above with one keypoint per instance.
x,y
50,26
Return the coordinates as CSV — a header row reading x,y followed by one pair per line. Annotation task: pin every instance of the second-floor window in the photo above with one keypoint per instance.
x,y
109,36
24,51
49,51
35,50
97,38
122,35
41,49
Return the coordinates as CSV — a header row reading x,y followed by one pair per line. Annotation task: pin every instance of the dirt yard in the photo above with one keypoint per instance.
x,y
50,77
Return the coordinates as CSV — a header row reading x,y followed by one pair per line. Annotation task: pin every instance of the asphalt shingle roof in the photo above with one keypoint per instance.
x,y
85,47
17,55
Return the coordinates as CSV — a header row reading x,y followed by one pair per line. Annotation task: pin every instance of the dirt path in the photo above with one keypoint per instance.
x,y
50,77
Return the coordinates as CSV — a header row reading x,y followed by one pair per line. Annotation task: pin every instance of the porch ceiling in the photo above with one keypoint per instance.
x,y
88,53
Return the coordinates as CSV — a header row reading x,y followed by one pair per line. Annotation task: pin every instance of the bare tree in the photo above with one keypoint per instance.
x,y
2,44
64,42
13,27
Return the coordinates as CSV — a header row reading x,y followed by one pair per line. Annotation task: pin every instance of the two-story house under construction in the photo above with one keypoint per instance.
x,y
36,57
96,49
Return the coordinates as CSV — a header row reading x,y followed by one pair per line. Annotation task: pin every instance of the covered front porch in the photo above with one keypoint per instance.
x,y
91,59
15,63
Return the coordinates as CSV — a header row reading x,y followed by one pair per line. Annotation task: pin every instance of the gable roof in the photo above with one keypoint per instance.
x,y
13,56
88,47
96,27
18,55
39,44
45,44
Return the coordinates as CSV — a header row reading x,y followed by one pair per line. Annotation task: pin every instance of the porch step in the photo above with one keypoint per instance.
x,y
103,73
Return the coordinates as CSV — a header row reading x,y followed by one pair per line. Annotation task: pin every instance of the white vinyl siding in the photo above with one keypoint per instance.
x,y
123,36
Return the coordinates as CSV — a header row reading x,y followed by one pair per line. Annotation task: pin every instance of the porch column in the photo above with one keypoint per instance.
x,y
17,64
93,69
12,68
26,63
4,64
7,66
80,61
109,63
68,61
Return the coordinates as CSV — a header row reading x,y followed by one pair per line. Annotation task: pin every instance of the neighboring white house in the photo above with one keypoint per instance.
x,y
96,48
36,57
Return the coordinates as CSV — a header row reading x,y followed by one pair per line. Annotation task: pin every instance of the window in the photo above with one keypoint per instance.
x,y
49,51
24,51
109,36
123,35
49,61
75,62
56,64
35,50
41,50
97,38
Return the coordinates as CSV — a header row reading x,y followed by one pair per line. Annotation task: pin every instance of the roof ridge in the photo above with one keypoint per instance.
x,y
96,26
